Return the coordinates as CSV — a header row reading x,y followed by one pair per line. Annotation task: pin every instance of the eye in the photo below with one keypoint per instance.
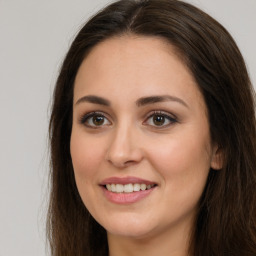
x,y
94,120
160,119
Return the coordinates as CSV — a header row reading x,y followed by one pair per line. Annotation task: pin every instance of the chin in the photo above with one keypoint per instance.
x,y
133,227
134,234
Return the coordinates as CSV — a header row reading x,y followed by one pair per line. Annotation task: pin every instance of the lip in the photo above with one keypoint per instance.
x,y
126,180
126,198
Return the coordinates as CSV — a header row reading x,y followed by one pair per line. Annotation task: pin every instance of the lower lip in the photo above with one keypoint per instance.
x,y
126,198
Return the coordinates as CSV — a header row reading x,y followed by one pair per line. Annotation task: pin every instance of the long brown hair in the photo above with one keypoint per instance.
x,y
226,220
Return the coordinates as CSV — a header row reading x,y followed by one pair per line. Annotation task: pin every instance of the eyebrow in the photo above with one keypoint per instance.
x,y
94,99
140,102
161,98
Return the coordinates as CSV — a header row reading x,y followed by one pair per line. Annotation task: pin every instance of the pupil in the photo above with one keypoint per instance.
x,y
159,120
98,120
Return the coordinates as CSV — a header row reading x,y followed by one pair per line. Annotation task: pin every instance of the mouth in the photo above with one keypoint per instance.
x,y
128,188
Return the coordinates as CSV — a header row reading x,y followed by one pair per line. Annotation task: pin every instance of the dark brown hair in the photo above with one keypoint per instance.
x,y
226,220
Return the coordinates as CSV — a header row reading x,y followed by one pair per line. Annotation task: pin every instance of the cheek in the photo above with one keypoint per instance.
x,y
184,169
86,156
182,161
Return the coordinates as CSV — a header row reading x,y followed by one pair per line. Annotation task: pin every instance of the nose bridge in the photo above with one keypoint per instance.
x,y
123,149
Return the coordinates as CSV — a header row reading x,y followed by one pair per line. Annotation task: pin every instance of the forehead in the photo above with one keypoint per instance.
x,y
134,65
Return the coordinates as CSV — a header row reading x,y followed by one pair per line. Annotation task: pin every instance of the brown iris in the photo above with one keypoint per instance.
x,y
98,120
158,120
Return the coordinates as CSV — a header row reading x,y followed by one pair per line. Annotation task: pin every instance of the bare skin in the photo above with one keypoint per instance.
x,y
119,131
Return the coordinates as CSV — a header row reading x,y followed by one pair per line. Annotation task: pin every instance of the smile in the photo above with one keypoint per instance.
x,y
128,188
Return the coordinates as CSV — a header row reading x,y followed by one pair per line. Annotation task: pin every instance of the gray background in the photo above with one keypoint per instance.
x,y
34,36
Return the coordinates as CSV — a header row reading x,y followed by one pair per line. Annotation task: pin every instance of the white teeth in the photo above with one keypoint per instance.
x,y
136,187
113,187
127,188
119,188
149,186
143,186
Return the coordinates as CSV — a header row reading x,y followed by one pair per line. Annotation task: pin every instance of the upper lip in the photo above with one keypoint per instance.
x,y
126,180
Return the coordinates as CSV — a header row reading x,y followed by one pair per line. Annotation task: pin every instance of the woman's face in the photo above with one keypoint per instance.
x,y
139,125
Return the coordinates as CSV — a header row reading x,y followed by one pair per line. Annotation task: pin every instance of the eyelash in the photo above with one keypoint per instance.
x,y
172,120
86,118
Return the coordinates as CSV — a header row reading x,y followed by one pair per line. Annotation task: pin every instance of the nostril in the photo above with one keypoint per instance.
x,y
129,162
121,161
124,149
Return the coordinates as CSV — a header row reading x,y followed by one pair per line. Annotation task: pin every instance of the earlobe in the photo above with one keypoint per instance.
x,y
217,158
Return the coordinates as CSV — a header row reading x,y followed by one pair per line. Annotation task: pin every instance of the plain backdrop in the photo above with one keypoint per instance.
x,y
34,36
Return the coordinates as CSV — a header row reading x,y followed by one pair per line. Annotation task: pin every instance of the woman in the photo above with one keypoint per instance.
x,y
153,137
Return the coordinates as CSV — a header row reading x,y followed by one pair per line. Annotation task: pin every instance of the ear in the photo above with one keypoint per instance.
x,y
217,158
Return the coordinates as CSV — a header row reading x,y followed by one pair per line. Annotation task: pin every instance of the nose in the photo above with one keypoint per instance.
x,y
125,148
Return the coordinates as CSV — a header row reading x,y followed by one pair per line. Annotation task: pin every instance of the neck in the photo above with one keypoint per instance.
x,y
174,242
